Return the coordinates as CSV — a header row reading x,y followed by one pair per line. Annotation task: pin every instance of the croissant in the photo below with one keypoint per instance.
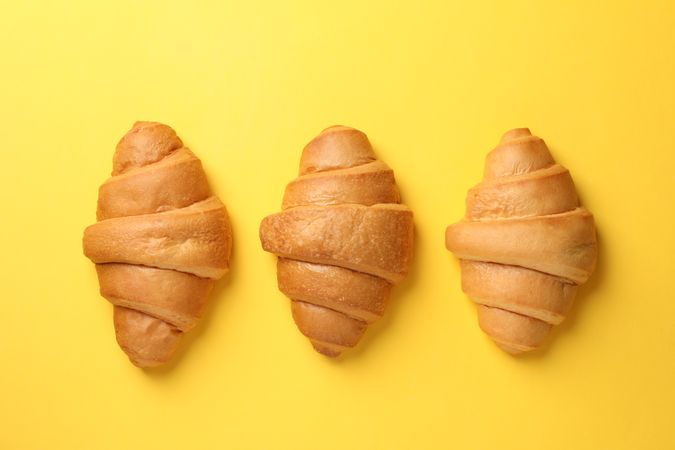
x,y
161,240
525,243
342,239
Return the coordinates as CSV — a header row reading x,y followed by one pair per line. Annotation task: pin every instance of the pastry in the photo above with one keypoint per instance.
x,y
525,243
161,241
343,239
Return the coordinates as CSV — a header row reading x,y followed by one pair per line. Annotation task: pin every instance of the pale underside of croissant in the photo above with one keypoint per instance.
x,y
342,239
525,243
161,240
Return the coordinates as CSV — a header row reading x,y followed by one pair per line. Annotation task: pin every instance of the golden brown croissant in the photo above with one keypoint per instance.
x,y
342,239
525,243
161,241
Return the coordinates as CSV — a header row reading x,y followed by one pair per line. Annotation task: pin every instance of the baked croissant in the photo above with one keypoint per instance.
x,y
161,240
525,243
342,239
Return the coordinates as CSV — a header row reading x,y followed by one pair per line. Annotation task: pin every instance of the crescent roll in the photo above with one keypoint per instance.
x,y
525,243
343,239
161,241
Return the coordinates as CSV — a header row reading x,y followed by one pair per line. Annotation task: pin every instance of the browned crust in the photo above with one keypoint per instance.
x,y
341,237
514,333
144,144
563,244
539,193
368,184
194,240
336,147
177,298
376,240
517,289
148,341
525,244
326,326
355,294
161,241
175,182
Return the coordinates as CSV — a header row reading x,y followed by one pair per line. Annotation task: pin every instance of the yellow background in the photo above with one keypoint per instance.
x,y
246,85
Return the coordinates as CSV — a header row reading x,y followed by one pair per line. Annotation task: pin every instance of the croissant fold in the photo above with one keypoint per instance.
x,y
161,240
525,243
342,238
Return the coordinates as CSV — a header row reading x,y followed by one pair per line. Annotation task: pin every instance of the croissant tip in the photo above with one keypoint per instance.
x,y
143,123
333,128
145,363
138,125
513,351
515,133
139,360
326,350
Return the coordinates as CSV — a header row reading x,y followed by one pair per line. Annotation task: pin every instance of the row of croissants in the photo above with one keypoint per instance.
x,y
343,239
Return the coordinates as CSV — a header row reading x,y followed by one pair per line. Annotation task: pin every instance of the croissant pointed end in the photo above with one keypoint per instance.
x,y
332,351
143,363
142,123
515,134
512,332
147,341
336,147
268,233
330,331
145,143
514,351
335,128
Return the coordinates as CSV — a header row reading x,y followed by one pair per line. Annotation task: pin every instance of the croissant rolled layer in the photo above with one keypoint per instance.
x,y
353,293
525,243
342,239
368,239
190,239
161,241
562,245
175,182
177,298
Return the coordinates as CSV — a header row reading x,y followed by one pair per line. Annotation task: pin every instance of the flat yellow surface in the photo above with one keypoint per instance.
x,y
246,85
